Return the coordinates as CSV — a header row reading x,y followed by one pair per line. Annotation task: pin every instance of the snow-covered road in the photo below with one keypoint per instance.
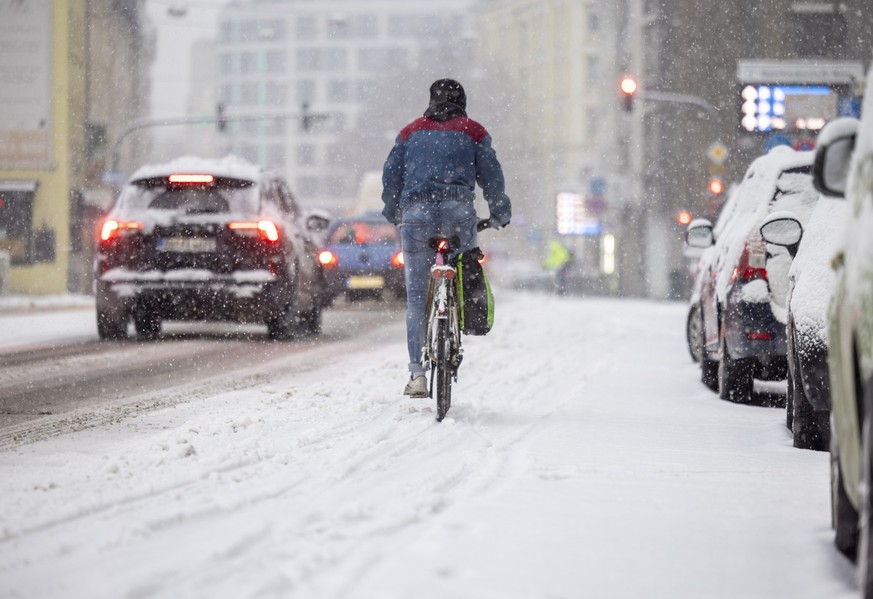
x,y
582,458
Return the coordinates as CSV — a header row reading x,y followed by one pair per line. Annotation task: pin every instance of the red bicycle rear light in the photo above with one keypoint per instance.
x,y
397,260
327,258
201,179
442,245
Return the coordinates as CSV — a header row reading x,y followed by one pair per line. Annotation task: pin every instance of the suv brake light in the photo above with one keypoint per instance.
x,y
397,260
265,228
753,262
111,228
197,179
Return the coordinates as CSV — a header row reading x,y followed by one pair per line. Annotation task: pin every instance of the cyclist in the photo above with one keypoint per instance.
x,y
429,181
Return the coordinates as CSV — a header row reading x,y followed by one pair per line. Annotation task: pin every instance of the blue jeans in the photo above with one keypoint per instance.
x,y
421,222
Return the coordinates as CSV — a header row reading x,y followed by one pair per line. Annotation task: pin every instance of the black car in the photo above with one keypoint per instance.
x,y
200,239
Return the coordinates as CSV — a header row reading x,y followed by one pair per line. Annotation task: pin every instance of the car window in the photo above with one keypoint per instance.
x,y
287,198
221,197
364,233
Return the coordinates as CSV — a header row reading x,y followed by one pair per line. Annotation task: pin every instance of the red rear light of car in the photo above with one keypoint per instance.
x,y
397,260
753,262
192,179
759,336
111,228
482,259
265,228
327,259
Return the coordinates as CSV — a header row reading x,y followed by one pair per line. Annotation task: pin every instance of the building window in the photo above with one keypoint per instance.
x,y
376,59
306,90
339,90
593,23
275,93
275,61
308,186
248,62
248,93
307,28
321,59
592,69
305,155
225,63
353,27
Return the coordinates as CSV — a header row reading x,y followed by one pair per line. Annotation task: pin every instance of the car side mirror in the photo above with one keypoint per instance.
x,y
317,222
699,234
783,228
833,155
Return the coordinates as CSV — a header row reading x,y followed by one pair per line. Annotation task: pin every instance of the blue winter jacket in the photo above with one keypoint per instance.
x,y
434,161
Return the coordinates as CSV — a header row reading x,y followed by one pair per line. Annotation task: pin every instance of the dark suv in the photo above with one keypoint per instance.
x,y
199,239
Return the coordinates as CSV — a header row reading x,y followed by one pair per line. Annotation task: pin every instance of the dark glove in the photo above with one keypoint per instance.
x,y
490,223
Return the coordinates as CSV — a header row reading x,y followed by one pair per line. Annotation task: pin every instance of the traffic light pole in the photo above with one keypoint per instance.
x,y
306,117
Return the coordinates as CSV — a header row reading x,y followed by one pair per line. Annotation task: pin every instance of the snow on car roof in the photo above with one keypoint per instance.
x,y
230,166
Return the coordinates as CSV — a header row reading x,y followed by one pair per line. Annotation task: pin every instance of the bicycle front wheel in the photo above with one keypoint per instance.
x,y
443,374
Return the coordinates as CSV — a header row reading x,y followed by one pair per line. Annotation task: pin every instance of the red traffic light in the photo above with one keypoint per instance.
x,y
716,187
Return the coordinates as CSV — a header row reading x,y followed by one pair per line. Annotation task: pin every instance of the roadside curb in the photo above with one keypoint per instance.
x,y
28,304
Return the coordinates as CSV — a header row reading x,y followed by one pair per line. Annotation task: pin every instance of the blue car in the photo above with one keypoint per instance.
x,y
362,259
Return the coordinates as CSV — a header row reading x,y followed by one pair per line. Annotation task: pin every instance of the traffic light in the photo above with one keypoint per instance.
x,y
629,90
220,118
716,187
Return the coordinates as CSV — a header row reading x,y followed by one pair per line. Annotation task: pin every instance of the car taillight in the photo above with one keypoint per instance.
x,y
397,260
328,259
191,179
265,228
111,228
753,262
482,258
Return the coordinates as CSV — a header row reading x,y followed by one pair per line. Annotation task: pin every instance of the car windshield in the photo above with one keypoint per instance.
x,y
363,233
222,196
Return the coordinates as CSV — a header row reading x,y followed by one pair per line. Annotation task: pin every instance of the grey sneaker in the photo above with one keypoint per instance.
x,y
416,387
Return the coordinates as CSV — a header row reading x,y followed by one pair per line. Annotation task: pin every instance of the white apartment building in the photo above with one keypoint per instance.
x,y
345,60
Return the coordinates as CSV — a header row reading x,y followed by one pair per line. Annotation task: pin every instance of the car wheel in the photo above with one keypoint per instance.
x,y
283,325
709,372
311,321
865,544
735,377
694,333
844,517
111,325
147,324
810,428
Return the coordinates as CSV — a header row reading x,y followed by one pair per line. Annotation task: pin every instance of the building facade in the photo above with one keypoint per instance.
x,y
73,74
318,90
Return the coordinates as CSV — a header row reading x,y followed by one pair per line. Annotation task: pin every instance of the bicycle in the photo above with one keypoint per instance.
x,y
442,341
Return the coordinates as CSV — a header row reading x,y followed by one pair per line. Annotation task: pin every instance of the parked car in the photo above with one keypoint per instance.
x,y
843,169
700,235
203,239
810,282
362,258
742,338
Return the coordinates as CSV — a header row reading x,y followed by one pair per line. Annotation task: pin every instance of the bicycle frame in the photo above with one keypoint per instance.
x,y
442,348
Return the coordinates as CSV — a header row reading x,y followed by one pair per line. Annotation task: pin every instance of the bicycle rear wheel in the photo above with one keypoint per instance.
x,y
443,374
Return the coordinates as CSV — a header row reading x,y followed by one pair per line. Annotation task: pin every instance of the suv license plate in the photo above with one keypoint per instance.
x,y
366,282
186,244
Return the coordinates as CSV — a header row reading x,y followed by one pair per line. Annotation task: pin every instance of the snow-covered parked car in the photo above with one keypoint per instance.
x,y
810,283
743,339
207,239
843,169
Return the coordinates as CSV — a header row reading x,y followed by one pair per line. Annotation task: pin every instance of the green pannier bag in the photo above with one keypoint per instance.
x,y
475,299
